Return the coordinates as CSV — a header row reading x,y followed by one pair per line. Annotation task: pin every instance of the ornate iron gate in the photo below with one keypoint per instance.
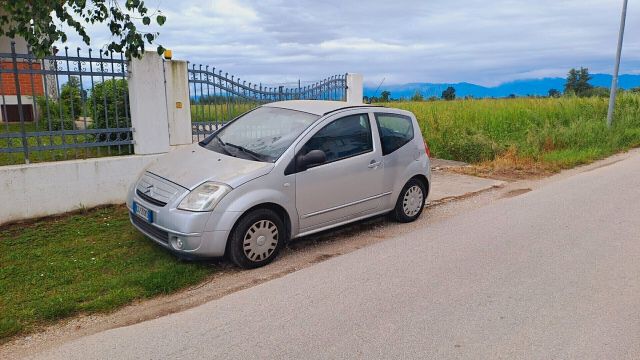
x,y
63,106
217,98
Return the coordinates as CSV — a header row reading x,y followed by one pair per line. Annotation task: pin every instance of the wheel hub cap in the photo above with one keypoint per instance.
x,y
412,200
260,240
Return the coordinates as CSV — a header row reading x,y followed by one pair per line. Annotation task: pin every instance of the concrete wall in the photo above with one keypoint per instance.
x,y
28,191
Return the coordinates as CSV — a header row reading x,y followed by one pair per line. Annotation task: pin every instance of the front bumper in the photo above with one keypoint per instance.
x,y
205,244
191,234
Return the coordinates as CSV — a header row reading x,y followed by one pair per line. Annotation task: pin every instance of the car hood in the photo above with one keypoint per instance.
x,y
193,165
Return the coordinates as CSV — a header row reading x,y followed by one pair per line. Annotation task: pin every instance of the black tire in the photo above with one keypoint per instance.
x,y
400,212
246,249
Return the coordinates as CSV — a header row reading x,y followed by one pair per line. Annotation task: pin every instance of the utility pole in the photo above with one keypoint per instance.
x,y
614,80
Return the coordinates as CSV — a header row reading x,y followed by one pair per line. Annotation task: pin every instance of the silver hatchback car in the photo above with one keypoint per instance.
x,y
282,171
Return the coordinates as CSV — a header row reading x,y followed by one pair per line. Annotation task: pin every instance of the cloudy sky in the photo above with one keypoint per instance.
x,y
483,42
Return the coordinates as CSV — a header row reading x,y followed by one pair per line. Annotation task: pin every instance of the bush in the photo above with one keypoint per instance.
x,y
417,96
54,114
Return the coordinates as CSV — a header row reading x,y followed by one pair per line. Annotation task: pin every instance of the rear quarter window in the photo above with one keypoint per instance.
x,y
395,131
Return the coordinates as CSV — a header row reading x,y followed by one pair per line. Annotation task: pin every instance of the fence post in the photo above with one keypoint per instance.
x,y
148,102
16,76
178,105
354,88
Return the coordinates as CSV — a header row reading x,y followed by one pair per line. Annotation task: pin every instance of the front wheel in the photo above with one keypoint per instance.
x,y
256,239
410,202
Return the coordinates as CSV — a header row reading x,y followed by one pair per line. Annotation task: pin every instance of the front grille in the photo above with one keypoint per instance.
x,y
151,230
149,199
157,190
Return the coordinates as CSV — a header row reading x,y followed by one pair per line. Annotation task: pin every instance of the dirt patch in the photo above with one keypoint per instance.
x,y
504,174
507,167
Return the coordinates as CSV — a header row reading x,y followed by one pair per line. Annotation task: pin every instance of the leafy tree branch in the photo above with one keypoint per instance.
x,y
42,23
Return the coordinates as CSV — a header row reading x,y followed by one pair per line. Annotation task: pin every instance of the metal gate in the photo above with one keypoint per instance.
x,y
68,105
217,98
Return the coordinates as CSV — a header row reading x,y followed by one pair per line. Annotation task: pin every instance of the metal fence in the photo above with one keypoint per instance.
x,y
217,98
64,106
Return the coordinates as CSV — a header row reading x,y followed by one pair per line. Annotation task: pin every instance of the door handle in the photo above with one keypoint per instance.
x,y
374,164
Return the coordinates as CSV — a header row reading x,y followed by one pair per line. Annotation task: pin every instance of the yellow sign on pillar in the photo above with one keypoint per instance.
x,y
178,104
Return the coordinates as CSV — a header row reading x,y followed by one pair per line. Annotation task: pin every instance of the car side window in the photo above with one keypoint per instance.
x,y
395,131
346,137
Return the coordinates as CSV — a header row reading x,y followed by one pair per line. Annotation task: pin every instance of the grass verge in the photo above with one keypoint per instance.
x,y
527,135
81,263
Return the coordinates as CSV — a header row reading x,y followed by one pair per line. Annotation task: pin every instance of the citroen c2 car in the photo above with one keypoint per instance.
x,y
281,171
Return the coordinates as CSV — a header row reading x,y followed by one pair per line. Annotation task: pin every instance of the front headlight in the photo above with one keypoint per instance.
x,y
205,197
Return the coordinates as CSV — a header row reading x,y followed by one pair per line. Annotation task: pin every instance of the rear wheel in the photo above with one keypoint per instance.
x,y
256,239
410,201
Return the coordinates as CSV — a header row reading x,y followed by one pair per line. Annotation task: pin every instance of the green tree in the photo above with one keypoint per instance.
x,y
385,96
64,110
554,93
449,93
578,82
108,101
41,23
71,98
417,96
572,81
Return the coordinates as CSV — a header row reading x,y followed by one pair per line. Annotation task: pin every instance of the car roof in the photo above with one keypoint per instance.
x,y
317,107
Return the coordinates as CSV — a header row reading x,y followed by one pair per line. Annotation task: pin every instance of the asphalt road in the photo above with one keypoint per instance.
x,y
550,274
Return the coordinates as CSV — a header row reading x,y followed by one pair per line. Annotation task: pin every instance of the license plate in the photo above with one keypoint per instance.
x,y
142,212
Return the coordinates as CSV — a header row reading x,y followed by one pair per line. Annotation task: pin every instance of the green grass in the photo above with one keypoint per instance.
x,y
82,263
220,112
555,132
52,155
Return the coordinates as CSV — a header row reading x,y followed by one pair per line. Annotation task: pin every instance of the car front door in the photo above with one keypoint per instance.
x,y
348,183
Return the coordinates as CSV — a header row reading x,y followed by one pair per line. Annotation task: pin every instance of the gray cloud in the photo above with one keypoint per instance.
x,y
485,42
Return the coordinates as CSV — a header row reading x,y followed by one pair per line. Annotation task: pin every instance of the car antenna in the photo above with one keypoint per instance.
x,y
375,94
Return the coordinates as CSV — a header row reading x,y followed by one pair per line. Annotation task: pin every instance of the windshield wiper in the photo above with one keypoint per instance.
x,y
222,145
253,154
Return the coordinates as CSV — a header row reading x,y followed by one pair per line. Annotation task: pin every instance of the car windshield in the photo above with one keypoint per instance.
x,y
262,134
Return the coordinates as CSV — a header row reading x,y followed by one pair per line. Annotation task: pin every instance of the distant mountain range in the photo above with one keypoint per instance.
x,y
518,87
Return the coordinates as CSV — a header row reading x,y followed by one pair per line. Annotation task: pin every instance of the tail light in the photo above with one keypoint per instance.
x,y
426,149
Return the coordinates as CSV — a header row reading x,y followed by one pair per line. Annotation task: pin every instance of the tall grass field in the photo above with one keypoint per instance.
x,y
553,133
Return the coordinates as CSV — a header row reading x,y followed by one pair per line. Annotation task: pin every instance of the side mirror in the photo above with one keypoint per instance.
x,y
313,157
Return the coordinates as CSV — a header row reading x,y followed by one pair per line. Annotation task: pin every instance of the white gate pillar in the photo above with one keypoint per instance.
x,y
354,88
148,103
178,106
